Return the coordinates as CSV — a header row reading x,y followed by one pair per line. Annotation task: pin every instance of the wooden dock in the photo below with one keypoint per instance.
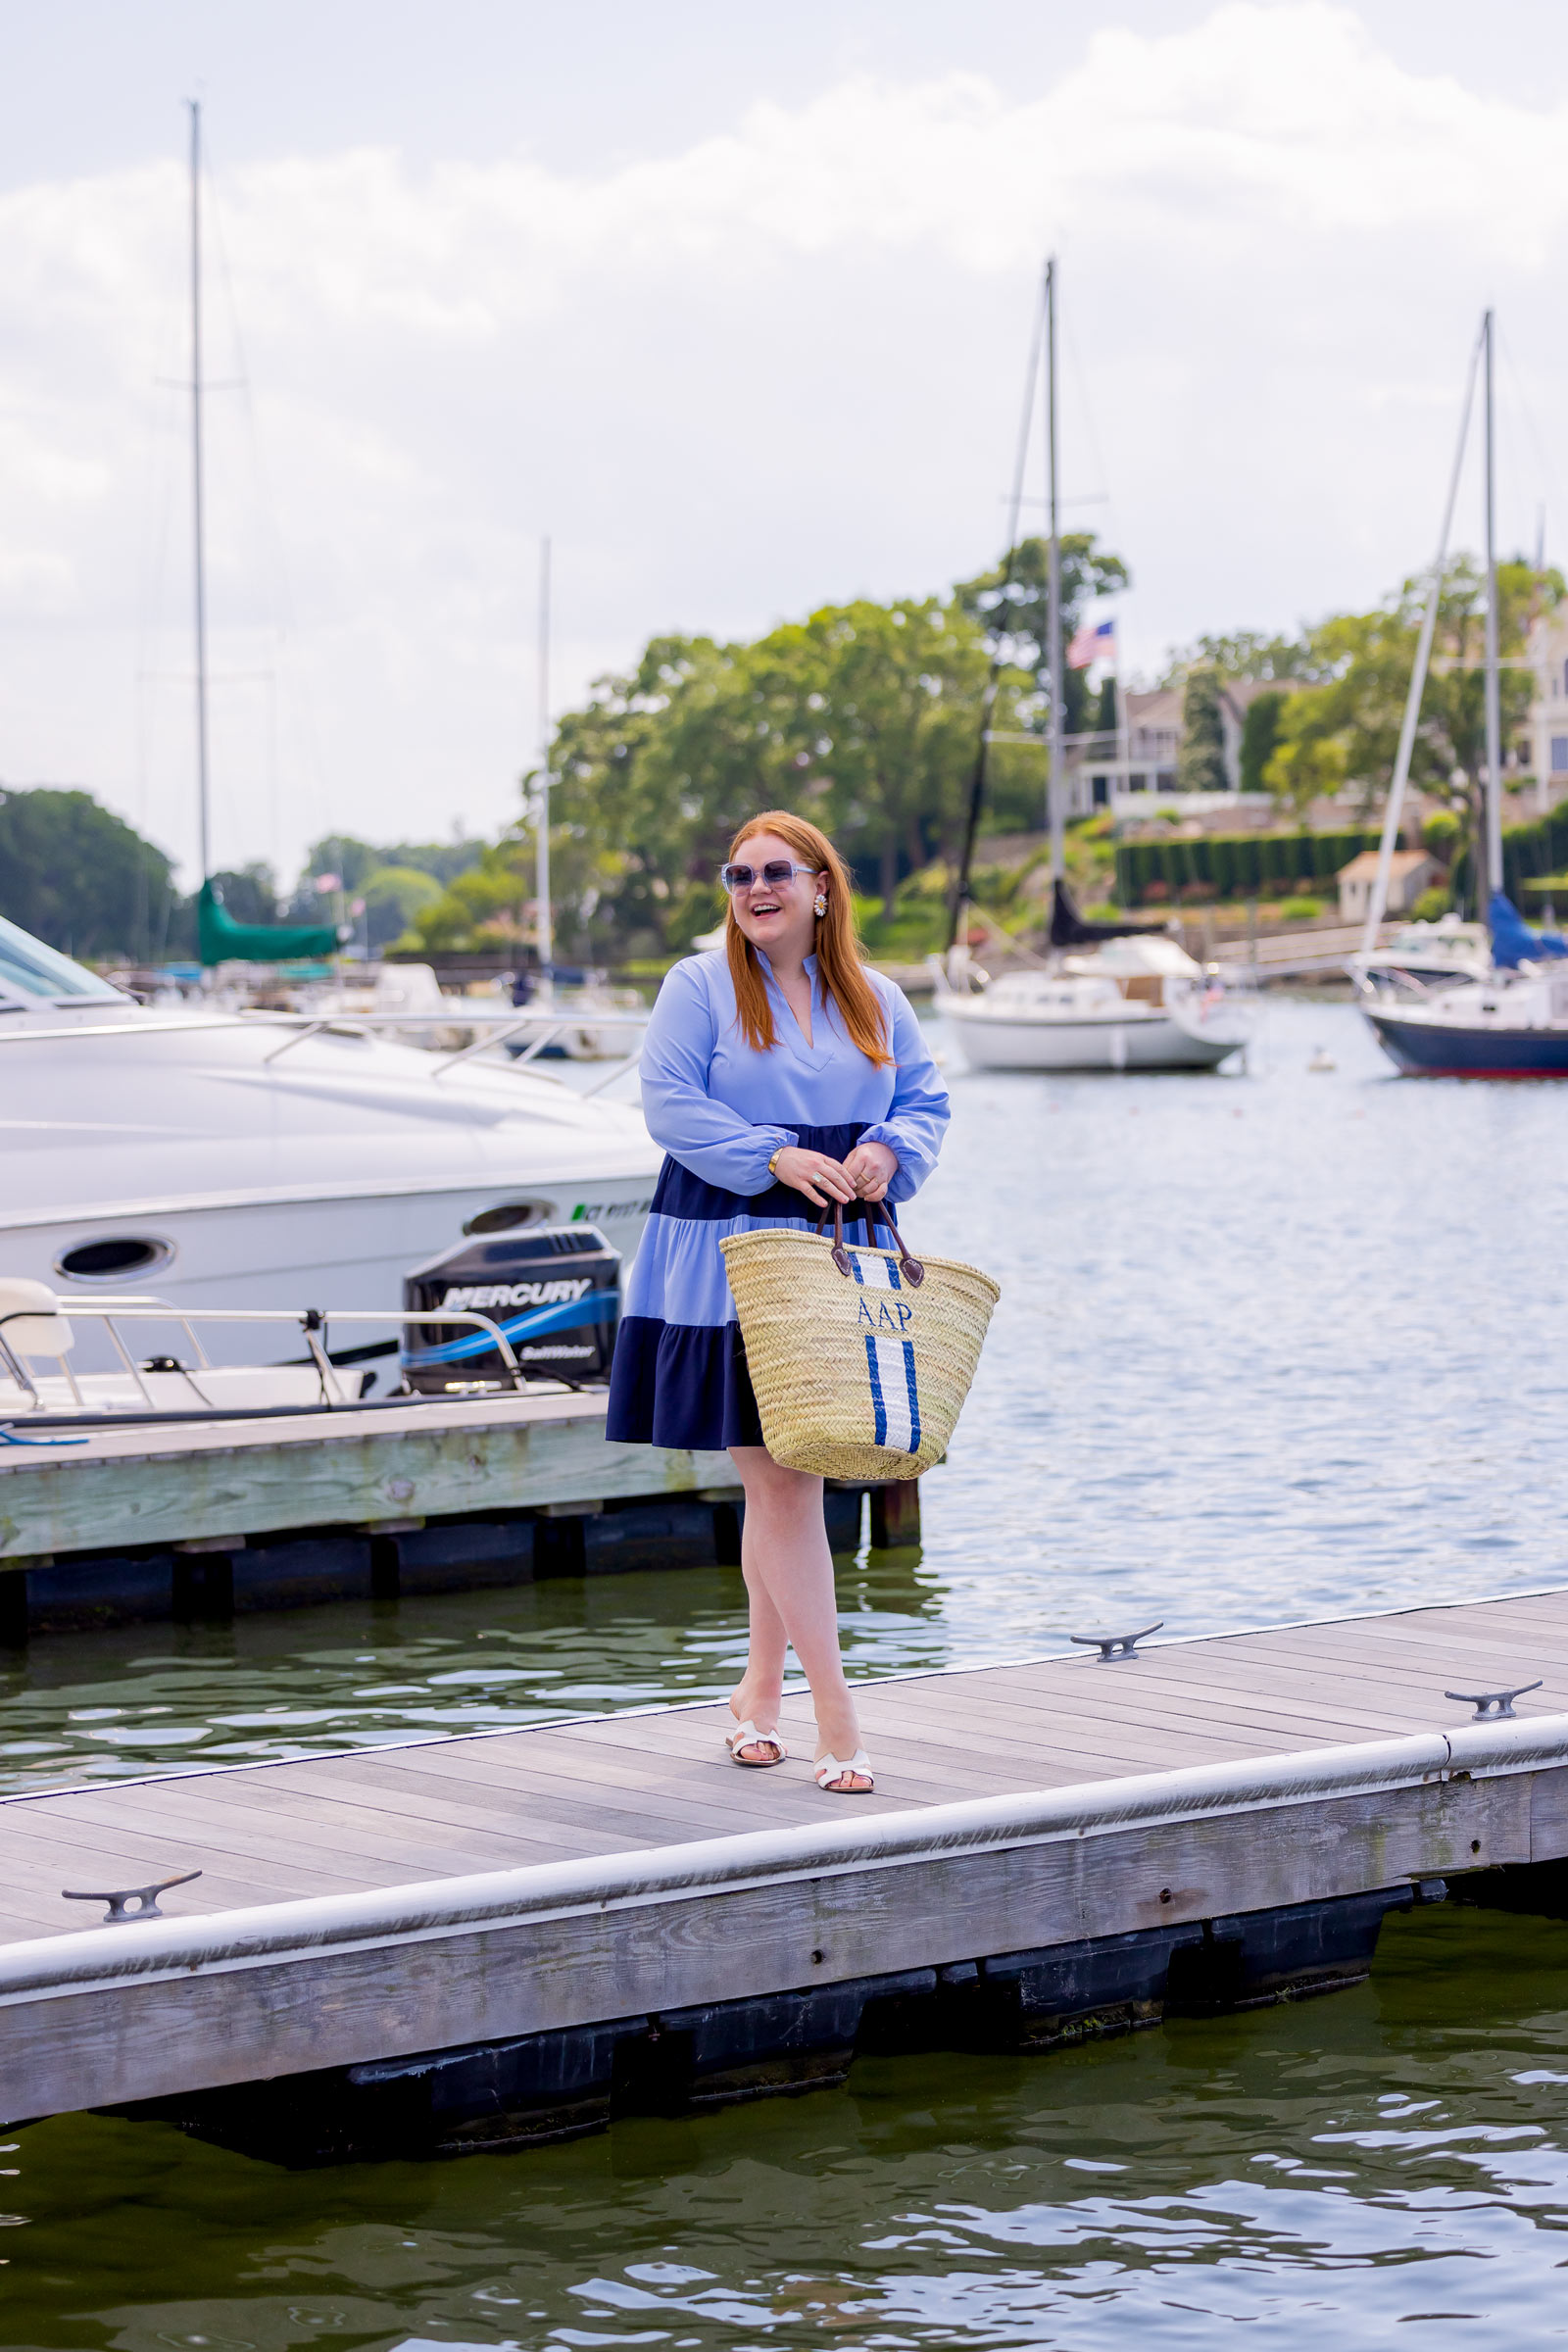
x,y
156,1519
486,1941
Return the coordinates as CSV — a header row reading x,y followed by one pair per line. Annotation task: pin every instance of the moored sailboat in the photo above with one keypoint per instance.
x,y
1110,997
1511,1023
1509,1020
1106,996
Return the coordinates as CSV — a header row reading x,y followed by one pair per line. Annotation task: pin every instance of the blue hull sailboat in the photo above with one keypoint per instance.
x,y
1514,1023
1511,1019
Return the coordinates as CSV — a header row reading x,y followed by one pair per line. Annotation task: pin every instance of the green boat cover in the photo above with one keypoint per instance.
x,y
221,940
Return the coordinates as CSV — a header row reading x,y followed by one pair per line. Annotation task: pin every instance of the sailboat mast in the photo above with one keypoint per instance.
x,y
1491,867
198,487
543,928
1377,904
988,703
1054,793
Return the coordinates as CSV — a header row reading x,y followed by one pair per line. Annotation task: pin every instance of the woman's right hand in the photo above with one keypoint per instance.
x,y
813,1174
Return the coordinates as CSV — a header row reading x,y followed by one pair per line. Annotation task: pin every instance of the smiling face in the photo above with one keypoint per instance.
x,y
777,917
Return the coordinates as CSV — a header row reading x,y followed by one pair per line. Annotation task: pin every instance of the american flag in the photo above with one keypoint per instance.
x,y
1092,642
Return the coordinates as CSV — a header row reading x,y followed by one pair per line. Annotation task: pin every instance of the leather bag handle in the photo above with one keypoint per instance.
x,y
910,1267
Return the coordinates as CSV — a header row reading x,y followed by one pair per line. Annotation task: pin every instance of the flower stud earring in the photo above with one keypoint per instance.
x,y
819,906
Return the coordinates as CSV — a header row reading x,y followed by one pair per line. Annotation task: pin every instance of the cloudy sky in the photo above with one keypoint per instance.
x,y
734,304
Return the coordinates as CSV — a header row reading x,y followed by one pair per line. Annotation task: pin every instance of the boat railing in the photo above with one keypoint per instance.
x,y
553,1020
553,1024
311,1321
1388,982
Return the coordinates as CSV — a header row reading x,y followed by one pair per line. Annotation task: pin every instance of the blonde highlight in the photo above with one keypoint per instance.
x,y
840,958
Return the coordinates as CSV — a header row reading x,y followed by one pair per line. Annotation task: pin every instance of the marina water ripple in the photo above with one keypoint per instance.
x,y
1333,2170
1279,1345
1271,1345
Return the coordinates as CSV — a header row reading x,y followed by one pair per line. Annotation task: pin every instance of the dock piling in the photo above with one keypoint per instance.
x,y
550,2086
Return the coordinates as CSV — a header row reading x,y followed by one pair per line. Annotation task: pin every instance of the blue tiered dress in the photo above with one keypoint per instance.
x,y
721,1110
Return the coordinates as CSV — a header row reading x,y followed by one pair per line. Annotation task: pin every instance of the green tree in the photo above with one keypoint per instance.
x,y
1260,734
1015,614
79,877
1200,763
1242,653
1442,834
342,854
358,863
395,896
1343,730
863,716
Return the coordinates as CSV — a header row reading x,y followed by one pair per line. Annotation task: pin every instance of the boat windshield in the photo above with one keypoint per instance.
x,y
29,968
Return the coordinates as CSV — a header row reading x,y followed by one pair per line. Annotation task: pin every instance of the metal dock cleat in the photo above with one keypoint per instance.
x,y
1115,1646
145,1898
1492,1705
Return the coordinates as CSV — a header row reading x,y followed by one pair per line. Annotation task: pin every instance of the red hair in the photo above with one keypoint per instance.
x,y
840,958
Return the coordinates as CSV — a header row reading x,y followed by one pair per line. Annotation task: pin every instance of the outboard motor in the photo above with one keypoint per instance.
x,y
554,1291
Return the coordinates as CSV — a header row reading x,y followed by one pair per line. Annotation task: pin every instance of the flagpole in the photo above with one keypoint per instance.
x,y
1122,748
543,929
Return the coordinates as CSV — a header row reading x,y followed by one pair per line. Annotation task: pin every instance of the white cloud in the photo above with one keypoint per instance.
x,y
777,367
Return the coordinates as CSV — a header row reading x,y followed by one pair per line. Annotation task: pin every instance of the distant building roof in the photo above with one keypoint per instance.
x,y
1161,707
1363,867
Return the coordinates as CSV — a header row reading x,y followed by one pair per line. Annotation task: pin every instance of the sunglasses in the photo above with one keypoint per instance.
x,y
775,874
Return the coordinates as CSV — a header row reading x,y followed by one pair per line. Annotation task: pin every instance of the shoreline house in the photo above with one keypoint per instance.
x,y
1126,772
1546,750
1410,872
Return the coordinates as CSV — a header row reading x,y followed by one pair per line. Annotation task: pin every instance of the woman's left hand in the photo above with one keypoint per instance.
x,y
871,1168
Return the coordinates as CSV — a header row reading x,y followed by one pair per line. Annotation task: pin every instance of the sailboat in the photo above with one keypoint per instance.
x,y
1511,1020
1107,996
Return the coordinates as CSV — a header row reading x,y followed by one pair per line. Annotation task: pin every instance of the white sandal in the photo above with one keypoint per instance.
x,y
829,1770
747,1734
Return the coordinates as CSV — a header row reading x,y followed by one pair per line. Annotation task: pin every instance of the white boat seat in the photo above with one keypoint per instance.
x,y
30,1321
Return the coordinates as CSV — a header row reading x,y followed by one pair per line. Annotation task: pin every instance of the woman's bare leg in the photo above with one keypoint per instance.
x,y
789,1579
756,1698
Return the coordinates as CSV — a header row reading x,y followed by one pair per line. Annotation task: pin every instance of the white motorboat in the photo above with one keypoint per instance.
x,y
1431,954
255,1158
1130,1004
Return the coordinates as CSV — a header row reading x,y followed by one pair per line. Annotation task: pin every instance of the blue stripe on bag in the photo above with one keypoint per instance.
x,y
878,1403
894,1398
883,1273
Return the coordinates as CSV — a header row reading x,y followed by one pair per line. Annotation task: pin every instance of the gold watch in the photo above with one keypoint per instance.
x,y
772,1165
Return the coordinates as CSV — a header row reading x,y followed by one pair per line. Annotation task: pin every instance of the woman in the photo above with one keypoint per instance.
x,y
781,1075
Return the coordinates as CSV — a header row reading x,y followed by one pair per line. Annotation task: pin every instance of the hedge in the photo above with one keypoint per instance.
x,y
1236,865
1541,847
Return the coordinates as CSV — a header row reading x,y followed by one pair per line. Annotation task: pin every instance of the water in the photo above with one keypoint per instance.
x,y
1272,1345
1325,2171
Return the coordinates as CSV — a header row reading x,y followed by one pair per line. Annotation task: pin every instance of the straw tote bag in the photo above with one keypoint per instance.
x,y
860,1358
